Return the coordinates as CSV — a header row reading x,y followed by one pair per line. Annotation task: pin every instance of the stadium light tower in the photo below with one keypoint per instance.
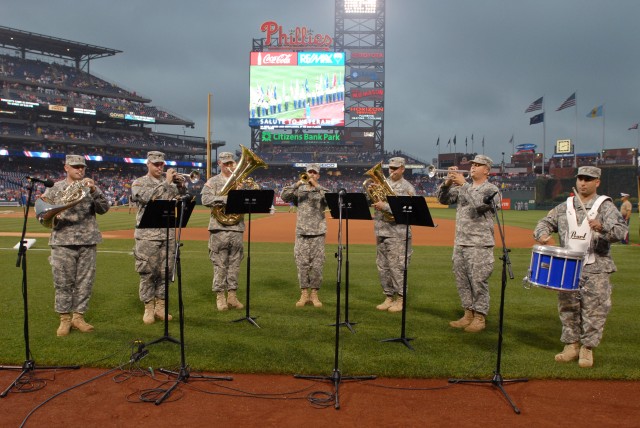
x,y
360,6
360,33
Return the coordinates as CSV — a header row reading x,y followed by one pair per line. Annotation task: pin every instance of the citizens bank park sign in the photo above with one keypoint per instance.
x,y
286,138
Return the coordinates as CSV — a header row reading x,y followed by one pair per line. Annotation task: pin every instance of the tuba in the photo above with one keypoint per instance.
x,y
47,212
382,189
239,180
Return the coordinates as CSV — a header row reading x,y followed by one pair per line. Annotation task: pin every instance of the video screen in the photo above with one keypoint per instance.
x,y
296,90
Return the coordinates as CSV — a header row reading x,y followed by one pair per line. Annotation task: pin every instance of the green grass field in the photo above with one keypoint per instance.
x,y
293,340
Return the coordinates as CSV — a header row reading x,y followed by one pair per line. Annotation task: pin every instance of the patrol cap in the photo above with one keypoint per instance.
x,y
225,157
589,171
624,195
313,167
154,157
75,160
396,162
482,160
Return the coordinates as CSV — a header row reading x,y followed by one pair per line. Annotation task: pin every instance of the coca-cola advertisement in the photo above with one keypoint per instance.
x,y
296,90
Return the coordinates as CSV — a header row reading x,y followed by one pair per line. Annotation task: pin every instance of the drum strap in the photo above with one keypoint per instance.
x,y
579,236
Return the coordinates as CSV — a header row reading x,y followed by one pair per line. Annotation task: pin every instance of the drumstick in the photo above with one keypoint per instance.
x,y
575,192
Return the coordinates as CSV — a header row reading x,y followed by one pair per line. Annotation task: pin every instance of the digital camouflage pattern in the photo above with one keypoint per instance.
x,y
151,243
473,259
311,228
583,313
73,243
226,249
390,243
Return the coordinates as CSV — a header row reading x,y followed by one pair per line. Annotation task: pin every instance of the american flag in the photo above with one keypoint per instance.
x,y
569,102
634,126
536,105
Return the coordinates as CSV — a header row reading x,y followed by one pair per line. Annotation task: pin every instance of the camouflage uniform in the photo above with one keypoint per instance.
x,y
390,243
583,313
73,244
226,249
311,227
474,242
151,244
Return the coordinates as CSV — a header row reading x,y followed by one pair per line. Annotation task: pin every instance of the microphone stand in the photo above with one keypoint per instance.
x,y
182,375
336,377
29,365
498,381
346,322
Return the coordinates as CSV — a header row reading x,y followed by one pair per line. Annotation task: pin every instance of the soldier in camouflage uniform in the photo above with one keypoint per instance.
x,y
226,249
151,244
474,240
390,240
73,241
583,313
311,227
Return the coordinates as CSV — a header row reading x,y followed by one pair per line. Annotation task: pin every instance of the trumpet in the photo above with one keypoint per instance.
x,y
304,177
193,177
432,171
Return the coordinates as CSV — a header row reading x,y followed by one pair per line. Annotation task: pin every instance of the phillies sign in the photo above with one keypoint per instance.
x,y
300,37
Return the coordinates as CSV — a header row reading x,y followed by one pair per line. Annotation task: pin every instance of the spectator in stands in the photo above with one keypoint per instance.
x,y
151,246
625,210
587,223
390,239
474,240
74,238
311,228
226,249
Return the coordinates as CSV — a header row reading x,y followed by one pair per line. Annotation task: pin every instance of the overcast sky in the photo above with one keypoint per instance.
x,y
453,67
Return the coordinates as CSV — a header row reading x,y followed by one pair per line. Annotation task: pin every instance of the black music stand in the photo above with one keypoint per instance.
x,y
248,202
336,376
185,208
354,207
29,365
408,210
158,214
497,380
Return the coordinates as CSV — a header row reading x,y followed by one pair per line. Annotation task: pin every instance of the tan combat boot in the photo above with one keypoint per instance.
x,y
477,324
304,298
569,353
159,310
232,300
388,301
314,298
149,316
586,357
397,305
464,321
65,325
79,323
221,301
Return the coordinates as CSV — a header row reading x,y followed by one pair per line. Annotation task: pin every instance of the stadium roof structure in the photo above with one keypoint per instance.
x,y
25,41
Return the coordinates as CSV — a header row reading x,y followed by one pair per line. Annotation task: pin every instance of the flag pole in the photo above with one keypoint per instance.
x,y
544,136
602,152
575,158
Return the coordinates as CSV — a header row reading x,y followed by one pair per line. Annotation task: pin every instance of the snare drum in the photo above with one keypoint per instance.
x,y
555,268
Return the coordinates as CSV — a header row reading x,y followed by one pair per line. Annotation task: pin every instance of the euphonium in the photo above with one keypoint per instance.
x,y
239,180
47,212
380,192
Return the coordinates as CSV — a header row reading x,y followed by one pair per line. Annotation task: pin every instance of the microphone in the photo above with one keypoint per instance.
x,y
487,199
342,191
46,182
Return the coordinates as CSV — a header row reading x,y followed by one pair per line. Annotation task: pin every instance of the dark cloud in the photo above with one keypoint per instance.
x,y
458,67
